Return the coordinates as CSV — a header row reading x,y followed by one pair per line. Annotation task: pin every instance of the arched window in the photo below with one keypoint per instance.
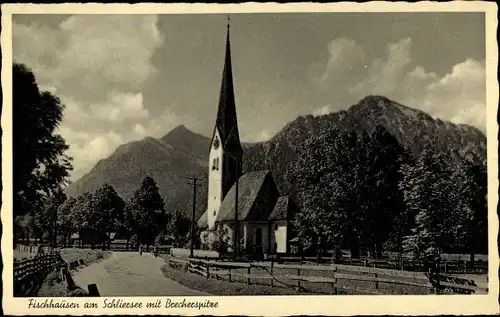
x,y
215,164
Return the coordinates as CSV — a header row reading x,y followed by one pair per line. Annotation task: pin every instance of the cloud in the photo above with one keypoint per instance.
x,y
326,109
97,65
88,148
139,130
120,106
262,136
385,73
458,96
461,94
345,55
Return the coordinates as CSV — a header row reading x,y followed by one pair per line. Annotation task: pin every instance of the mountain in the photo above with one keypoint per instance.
x,y
169,161
414,129
182,153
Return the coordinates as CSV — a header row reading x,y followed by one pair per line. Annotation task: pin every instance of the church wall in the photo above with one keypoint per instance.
x,y
251,235
227,229
214,198
279,236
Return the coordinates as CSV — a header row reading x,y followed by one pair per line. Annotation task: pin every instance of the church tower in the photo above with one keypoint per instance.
x,y
224,166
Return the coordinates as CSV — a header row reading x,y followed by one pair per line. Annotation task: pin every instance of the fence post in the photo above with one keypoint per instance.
x,y
248,278
376,280
93,291
445,267
438,277
229,270
298,280
208,269
272,275
335,281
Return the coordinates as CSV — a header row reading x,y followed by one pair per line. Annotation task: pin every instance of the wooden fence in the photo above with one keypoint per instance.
x,y
446,266
163,249
29,274
357,279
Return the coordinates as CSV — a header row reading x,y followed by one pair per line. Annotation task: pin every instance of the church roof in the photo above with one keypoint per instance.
x,y
249,186
203,221
226,122
280,211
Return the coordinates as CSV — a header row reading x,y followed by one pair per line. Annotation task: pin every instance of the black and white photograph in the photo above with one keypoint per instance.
x,y
204,155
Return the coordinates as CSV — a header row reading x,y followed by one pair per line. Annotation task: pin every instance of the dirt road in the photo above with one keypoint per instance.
x,y
130,274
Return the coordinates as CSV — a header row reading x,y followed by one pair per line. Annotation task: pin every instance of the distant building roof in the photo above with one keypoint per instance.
x,y
250,186
75,236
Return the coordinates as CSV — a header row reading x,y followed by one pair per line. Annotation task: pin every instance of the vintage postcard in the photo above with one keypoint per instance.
x,y
250,159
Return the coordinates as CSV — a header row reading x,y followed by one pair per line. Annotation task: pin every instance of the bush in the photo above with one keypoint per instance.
x,y
78,292
53,278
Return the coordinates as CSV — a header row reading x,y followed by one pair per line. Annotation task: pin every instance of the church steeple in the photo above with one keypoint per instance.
x,y
225,157
226,121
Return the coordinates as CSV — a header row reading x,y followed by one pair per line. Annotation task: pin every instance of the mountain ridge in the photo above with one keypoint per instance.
x,y
181,153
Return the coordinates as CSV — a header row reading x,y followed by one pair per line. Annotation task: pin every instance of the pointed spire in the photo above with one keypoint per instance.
x,y
227,122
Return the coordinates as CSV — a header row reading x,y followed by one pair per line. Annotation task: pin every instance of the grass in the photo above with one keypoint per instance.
x,y
89,256
179,273
54,286
282,285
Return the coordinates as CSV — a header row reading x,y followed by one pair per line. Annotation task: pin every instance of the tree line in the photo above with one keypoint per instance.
x,y
41,170
94,216
364,192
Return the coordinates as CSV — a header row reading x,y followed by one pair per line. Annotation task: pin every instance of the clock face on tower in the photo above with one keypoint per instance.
x,y
216,143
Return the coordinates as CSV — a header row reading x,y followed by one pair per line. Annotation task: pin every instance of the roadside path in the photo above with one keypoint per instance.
x,y
130,274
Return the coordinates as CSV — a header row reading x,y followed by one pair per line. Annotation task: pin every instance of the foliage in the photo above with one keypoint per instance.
x,y
380,203
106,212
179,229
348,188
41,166
429,189
145,212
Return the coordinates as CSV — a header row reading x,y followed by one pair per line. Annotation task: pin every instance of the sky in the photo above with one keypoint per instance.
x,y
125,77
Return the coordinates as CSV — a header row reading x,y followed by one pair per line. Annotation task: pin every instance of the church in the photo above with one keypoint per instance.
x,y
250,203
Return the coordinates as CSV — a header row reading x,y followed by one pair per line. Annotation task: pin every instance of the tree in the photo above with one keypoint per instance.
x,y
179,229
79,218
51,211
324,174
472,215
40,165
65,224
146,212
106,213
379,199
430,193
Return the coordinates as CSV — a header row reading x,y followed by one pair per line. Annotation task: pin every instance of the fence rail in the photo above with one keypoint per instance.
x,y
30,273
338,276
446,266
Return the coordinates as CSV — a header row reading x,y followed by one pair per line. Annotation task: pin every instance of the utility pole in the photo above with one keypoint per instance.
x,y
236,244
193,217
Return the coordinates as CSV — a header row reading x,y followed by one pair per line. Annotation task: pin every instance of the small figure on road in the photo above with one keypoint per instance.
x,y
140,249
155,250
